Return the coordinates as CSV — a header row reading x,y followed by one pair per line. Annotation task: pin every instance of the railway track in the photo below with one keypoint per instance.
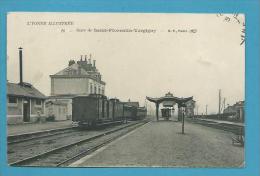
x,y
66,154
230,127
14,139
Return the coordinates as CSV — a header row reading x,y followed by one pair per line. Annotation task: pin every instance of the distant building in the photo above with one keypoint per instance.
x,y
24,102
236,109
168,109
78,78
132,103
81,77
189,109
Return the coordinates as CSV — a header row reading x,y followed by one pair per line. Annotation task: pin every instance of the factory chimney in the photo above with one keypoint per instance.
x,y
86,58
89,61
94,63
21,64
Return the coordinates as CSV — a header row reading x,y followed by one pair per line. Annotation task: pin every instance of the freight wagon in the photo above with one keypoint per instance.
x,y
96,109
141,113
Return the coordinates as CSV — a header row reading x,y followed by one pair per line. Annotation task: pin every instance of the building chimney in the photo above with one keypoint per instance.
x,y
81,57
86,58
89,61
71,62
94,63
21,64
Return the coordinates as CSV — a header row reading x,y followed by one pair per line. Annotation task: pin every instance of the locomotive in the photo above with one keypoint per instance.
x,y
97,109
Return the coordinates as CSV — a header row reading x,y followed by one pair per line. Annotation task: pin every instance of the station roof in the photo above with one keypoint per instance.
x,y
169,97
24,90
81,69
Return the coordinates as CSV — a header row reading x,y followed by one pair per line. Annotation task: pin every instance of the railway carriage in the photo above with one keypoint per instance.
x,y
141,113
96,109
132,112
129,112
117,109
88,110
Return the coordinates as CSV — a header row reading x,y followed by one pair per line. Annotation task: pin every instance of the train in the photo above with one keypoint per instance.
x,y
96,110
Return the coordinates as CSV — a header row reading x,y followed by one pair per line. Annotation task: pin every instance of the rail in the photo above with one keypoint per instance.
x,y
60,150
238,129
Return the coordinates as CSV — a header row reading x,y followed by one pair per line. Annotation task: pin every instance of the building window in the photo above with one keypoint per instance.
x,y
103,92
38,102
99,90
12,100
95,90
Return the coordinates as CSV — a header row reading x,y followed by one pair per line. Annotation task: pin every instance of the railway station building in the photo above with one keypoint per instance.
x,y
169,101
81,77
237,110
24,103
78,78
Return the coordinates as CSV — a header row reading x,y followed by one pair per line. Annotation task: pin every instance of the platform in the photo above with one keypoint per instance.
x,y
160,144
35,127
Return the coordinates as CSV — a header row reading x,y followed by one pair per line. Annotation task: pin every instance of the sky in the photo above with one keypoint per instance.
x,y
137,54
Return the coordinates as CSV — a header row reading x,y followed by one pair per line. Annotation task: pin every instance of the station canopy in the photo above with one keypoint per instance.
x,y
169,100
168,103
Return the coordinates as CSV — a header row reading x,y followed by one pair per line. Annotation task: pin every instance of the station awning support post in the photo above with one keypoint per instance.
x,y
157,111
182,111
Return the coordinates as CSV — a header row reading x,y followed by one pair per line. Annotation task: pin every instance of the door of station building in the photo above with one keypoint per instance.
x,y
26,110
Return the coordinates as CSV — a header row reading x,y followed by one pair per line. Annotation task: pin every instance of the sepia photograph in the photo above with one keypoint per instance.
x,y
125,90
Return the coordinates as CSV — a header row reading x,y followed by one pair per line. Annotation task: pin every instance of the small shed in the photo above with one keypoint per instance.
x,y
56,110
24,103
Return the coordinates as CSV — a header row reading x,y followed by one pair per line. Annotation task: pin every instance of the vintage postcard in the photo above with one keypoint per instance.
x,y
126,90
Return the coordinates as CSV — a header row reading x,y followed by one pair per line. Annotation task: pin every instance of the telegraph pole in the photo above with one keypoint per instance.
x,y
219,101
182,111
224,103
